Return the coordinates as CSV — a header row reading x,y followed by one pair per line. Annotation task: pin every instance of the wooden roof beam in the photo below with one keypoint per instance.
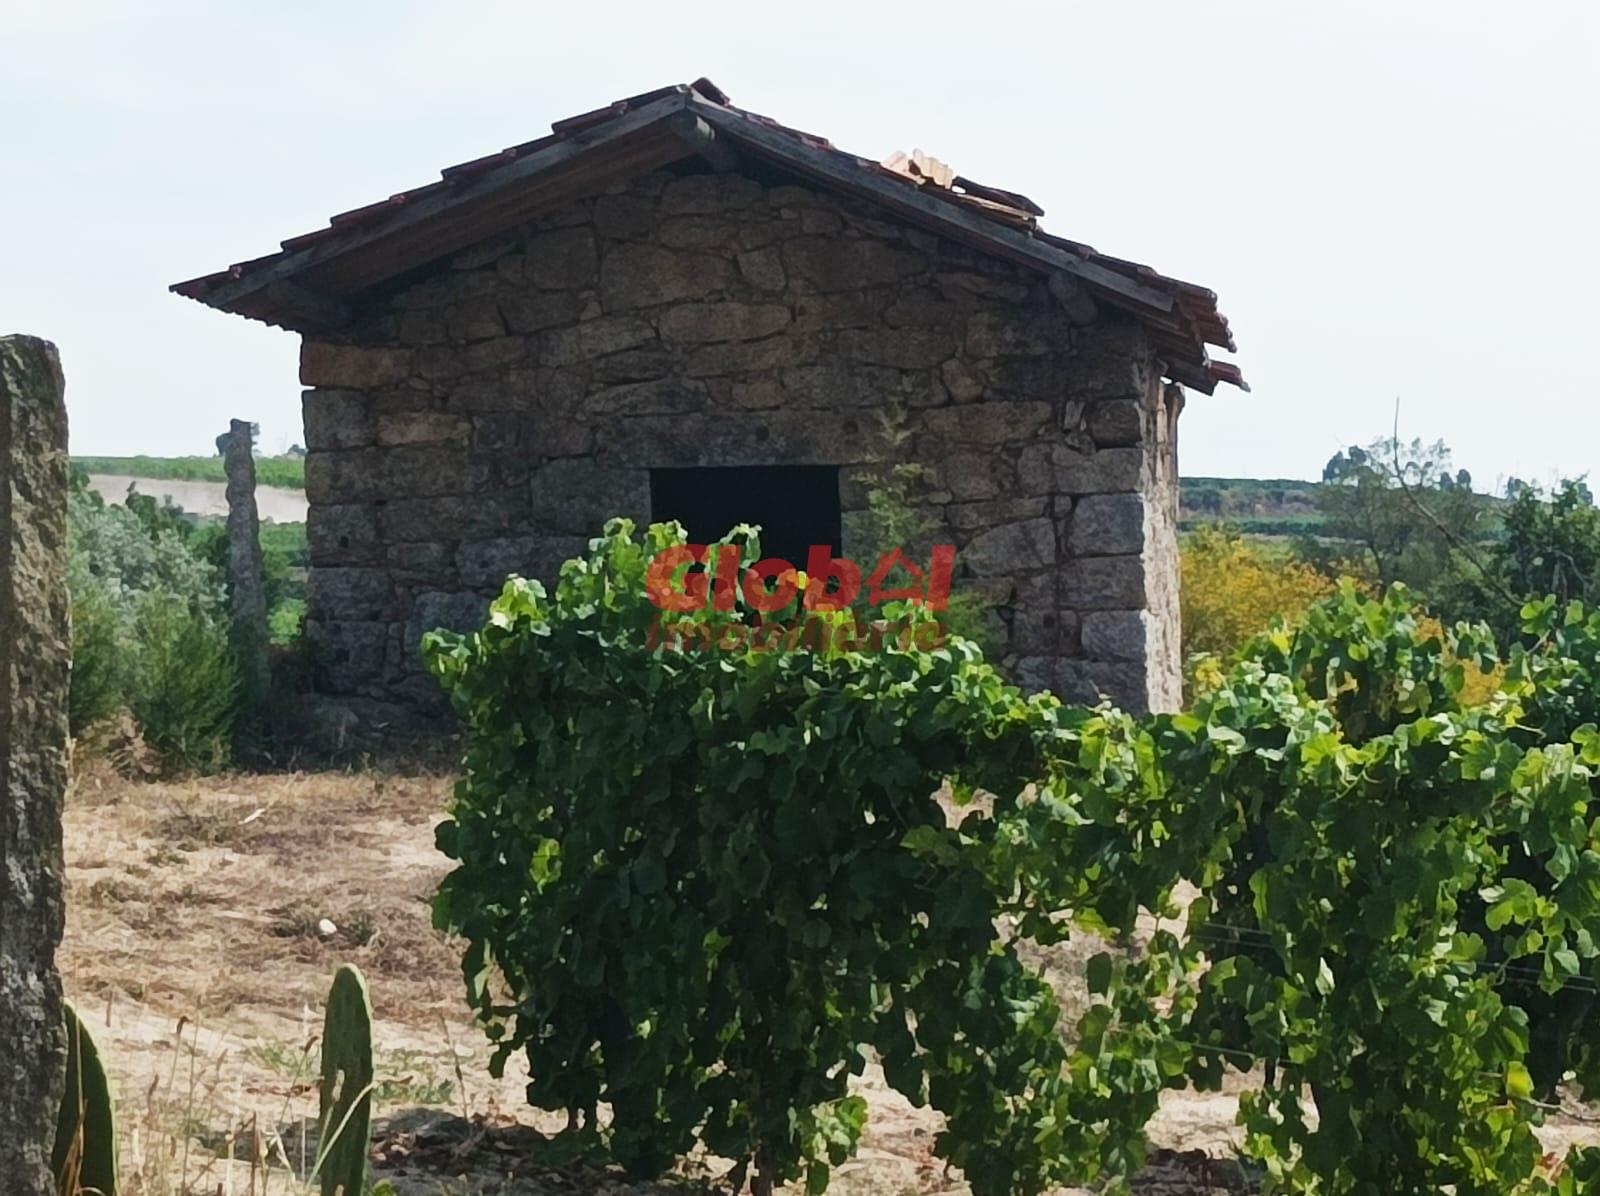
x,y
702,140
1187,373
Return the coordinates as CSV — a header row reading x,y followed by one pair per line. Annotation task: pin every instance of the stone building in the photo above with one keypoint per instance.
x,y
672,307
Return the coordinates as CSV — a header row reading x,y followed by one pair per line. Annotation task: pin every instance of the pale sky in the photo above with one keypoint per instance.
x,y
1391,199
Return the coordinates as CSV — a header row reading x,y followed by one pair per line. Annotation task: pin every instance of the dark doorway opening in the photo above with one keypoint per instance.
x,y
796,505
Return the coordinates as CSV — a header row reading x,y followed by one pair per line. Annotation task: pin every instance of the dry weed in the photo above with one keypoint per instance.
x,y
212,896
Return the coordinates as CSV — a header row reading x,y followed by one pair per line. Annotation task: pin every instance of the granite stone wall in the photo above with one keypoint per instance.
x,y
488,417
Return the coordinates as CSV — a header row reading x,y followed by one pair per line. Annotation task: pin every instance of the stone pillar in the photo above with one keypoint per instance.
x,y
1119,550
34,651
1164,651
248,601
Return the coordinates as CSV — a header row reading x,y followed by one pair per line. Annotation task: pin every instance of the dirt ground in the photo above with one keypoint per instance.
x,y
205,920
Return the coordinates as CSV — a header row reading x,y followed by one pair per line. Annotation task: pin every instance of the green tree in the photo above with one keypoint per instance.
x,y
1548,545
1404,508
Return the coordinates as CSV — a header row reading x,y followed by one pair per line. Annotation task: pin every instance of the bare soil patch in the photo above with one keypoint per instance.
x,y
210,499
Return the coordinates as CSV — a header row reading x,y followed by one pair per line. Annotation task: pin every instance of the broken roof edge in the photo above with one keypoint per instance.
x,y
670,124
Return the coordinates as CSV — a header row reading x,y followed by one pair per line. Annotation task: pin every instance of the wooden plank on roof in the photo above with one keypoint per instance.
x,y
1195,377
999,195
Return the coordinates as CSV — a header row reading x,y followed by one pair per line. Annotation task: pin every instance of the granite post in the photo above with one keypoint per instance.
x,y
247,593
35,643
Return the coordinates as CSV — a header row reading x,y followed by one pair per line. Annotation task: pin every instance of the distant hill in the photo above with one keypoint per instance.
x,y
1257,506
288,472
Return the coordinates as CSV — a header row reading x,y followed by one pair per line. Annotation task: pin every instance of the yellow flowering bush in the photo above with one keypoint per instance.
x,y
1478,684
1231,589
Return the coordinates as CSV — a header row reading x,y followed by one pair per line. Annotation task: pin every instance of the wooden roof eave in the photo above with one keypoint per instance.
x,y
321,275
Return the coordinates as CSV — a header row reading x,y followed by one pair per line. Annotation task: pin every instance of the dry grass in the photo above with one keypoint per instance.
x,y
234,875
199,948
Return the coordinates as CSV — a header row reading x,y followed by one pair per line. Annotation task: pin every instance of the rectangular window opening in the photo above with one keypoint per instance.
x,y
796,506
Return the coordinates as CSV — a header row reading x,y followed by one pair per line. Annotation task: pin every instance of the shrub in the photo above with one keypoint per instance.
x,y
149,630
185,698
285,622
1400,899
102,668
138,548
693,885
1231,589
